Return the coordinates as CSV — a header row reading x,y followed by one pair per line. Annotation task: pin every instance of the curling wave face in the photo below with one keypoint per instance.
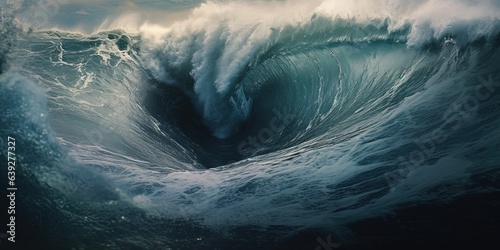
x,y
211,54
303,116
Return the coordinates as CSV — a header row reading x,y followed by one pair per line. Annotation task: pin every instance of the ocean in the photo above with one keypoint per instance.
x,y
255,125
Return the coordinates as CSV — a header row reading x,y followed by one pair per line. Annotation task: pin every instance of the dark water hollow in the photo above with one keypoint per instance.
x,y
174,110
281,110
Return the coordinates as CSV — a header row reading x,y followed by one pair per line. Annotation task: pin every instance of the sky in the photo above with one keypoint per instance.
x,y
88,16
92,15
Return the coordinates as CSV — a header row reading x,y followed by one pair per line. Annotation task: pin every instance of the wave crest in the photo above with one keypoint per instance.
x,y
209,54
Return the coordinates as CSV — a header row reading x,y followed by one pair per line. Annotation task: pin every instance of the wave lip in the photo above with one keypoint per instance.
x,y
211,53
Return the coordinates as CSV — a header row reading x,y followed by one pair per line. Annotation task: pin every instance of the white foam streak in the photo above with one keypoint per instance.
x,y
430,20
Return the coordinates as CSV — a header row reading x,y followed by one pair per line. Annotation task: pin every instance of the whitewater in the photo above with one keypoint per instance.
x,y
254,124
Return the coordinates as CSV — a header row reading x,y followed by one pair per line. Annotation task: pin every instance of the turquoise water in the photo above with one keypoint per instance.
x,y
236,134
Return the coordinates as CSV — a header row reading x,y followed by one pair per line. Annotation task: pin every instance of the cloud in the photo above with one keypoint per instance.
x,y
90,16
